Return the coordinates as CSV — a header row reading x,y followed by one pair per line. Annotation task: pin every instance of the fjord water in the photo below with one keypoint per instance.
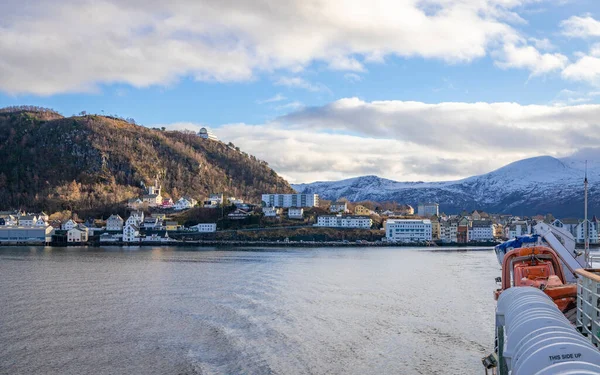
x,y
257,311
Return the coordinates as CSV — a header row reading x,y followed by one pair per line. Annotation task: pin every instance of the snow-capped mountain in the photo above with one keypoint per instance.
x,y
527,187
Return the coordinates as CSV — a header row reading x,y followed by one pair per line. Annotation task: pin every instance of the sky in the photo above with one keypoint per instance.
x,y
409,90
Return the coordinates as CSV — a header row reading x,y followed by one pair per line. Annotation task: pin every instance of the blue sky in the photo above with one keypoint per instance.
x,y
287,81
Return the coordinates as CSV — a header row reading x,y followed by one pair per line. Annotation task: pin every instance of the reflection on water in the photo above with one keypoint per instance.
x,y
274,311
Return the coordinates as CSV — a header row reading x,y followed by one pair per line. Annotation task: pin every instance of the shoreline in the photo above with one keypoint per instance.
x,y
255,243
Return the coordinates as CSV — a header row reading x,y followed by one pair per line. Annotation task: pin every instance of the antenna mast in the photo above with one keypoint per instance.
x,y
585,214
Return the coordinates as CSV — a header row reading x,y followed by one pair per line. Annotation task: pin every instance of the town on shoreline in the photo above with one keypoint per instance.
x,y
279,220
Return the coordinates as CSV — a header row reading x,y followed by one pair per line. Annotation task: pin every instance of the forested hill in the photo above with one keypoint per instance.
x,y
53,162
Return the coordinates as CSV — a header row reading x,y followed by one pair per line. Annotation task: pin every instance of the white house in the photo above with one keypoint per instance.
x,y
131,233
409,230
152,223
114,223
182,204
134,203
77,234
481,230
339,221
111,237
204,227
27,221
271,211
290,200
70,224
40,222
296,213
339,207
592,228
518,228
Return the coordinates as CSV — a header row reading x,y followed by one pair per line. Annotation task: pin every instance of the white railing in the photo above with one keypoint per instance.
x,y
588,303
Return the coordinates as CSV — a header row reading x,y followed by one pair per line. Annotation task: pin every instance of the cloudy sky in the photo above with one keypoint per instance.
x,y
324,89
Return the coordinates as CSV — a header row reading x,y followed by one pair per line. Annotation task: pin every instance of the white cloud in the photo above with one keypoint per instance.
x,y
299,82
586,68
352,77
581,27
273,99
528,57
74,46
414,140
542,44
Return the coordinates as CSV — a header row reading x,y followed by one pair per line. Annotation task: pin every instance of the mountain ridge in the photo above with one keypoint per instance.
x,y
530,186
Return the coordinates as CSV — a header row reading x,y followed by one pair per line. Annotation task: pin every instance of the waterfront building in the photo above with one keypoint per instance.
x,y
111,237
340,221
436,228
207,134
27,220
10,234
131,233
290,200
78,234
517,228
70,224
114,223
592,228
204,227
296,213
408,230
428,209
449,231
339,207
482,230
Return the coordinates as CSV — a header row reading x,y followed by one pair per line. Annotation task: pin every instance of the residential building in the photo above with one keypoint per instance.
x,y
70,224
517,229
482,230
238,214
449,231
41,222
114,223
167,203
436,228
462,231
157,237
339,207
183,204
271,211
296,213
207,134
362,210
592,228
153,195
78,234
340,221
405,209
134,203
428,209
408,230
204,227
152,223
131,233
135,218
12,234
111,237
290,200
171,226
159,216
27,221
